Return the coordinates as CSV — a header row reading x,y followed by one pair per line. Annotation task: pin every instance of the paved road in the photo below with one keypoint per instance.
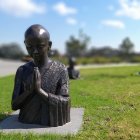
x,y
106,65
8,67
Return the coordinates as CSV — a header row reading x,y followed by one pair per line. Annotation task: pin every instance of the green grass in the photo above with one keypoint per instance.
x,y
110,96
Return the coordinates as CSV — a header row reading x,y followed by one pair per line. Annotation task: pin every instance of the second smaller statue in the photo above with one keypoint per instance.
x,y
73,73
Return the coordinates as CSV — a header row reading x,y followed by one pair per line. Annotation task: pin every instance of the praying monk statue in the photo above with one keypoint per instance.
x,y
41,85
72,72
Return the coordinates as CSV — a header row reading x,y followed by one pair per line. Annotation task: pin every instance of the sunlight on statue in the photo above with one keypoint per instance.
x,y
41,86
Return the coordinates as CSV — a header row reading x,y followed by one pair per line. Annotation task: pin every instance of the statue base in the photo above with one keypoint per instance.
x,y
12,125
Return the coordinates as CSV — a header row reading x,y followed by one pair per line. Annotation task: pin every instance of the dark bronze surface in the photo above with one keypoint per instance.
x,y
41,86
72,72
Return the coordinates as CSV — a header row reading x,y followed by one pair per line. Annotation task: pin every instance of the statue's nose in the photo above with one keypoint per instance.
x,y
35,51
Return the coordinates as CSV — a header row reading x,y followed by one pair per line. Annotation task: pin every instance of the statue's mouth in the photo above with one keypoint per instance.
x,y
36,56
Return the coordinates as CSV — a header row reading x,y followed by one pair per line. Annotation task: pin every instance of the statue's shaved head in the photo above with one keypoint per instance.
x,y
37,31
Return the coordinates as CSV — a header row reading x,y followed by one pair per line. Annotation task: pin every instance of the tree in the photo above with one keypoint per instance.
x,y
127,46
11,51
105,51
76,47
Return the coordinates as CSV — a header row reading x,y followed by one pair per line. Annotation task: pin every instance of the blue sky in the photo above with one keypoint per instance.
x,y
107,22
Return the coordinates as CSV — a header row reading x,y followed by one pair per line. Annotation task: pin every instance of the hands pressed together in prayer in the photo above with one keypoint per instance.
x,y
37,80
36,85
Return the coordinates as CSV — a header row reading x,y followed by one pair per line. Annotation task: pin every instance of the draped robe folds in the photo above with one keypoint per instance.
x,y
51,111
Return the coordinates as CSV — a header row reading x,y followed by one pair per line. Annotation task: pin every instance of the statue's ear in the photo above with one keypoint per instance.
x,y
50,44
24,42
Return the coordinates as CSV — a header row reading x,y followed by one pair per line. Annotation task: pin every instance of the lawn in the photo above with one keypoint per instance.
x,y
110,96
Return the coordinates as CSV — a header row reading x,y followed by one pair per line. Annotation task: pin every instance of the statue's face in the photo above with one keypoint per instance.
x,y
37,47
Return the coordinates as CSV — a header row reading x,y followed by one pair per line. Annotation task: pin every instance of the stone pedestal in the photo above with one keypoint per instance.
x,y
12,125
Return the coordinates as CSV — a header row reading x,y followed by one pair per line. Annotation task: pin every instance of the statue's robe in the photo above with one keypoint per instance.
x,y
51,111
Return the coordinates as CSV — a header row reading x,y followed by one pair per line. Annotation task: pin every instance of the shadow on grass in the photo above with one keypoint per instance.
x,y
3,116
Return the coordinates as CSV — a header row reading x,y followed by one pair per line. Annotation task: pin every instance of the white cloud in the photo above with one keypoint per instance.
x,y
114,23
71,21
129,8
21,8
63,9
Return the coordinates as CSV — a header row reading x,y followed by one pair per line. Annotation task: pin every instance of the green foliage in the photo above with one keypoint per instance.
x,y
90,60
6,87
105,51
110,97
127,46
11,51
76,47
135,59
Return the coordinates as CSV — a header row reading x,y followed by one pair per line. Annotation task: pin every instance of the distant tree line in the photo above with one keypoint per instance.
x,y
78,47
125,50
11,51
